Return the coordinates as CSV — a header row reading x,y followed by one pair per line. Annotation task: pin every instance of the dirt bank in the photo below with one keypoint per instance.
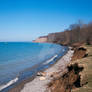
x,y
73,78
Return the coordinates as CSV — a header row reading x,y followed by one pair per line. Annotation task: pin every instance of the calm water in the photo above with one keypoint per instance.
x,y
16,57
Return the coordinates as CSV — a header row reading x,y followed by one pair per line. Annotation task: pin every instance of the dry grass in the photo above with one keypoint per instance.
x,y
86,74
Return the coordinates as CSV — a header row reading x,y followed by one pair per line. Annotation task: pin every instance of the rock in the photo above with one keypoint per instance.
x,y
41,74
42,78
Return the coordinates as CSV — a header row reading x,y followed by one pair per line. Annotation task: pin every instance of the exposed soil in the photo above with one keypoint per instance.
x,y
72,78
79,52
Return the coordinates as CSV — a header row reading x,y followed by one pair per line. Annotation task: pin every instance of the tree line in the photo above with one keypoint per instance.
x,y
75,34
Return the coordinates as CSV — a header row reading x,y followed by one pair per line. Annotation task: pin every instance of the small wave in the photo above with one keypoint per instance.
x,y
8,84
48,61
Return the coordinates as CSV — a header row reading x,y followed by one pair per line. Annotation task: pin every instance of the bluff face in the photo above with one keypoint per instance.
x,y
41,39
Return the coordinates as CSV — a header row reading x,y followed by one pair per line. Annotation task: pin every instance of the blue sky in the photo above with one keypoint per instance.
x,y
25,20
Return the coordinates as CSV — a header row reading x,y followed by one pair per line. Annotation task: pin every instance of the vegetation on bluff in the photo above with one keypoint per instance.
x,y
78,33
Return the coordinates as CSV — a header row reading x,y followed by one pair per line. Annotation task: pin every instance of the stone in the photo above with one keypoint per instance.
x,y
42,78
41,74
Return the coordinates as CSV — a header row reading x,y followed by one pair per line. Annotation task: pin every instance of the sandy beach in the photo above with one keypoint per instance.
x,y
39,84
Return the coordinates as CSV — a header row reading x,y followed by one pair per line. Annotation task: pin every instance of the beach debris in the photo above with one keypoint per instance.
x,y
41,74
42,78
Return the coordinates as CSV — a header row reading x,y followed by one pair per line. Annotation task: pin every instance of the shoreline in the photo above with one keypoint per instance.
x,y
39,84
19,85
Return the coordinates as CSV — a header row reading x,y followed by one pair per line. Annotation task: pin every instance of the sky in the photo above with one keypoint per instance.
x,y
25,20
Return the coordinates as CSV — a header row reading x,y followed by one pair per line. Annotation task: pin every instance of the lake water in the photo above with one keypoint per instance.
x,y
16,59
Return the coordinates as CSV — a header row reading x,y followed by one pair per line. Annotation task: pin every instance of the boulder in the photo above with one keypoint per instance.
x,y
42,78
